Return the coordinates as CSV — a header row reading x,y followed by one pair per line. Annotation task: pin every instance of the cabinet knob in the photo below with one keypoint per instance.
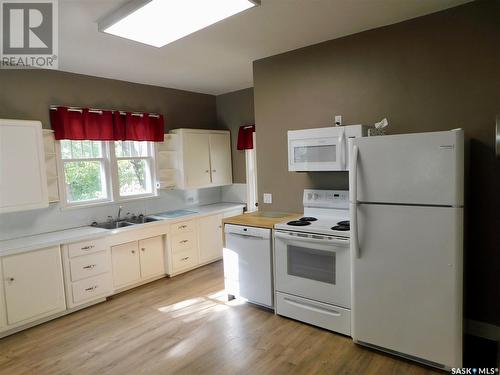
x,y
133,251
206,171
10,279
213,170
143,249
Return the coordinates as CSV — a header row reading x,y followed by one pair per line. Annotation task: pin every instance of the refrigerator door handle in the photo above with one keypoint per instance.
x,y
354,203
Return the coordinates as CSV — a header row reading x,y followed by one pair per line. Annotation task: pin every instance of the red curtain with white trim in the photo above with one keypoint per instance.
x,y
101,125
245,137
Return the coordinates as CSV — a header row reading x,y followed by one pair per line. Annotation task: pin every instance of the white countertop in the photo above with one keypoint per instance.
x,y
29,243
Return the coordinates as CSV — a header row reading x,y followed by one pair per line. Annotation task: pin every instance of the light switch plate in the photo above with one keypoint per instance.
x,y
268,198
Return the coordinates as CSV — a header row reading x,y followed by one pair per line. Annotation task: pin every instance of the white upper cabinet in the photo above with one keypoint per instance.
x,y
220,158
23,181
204,158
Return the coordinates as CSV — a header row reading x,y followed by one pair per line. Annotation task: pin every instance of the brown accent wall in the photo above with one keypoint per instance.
x,y
27,94
435,72
235,109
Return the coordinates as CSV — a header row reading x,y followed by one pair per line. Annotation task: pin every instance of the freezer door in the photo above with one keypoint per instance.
x,y
407,281
421,168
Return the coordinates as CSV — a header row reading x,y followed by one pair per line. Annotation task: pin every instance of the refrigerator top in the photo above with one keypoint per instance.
x,y
409,169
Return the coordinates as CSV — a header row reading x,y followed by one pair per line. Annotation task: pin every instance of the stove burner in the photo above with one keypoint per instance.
x,y
341,227
308,218
344,223
298,223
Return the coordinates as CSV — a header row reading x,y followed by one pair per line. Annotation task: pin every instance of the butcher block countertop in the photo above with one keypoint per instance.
x,y
261,219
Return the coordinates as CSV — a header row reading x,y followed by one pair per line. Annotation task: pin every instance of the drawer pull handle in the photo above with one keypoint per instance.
x,y
184,241
91,288
90,266
184,259
182,227
88,247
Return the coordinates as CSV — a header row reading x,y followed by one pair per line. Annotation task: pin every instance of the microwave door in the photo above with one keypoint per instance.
x,y
315,154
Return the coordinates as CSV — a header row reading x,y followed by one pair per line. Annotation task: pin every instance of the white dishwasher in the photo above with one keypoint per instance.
x,y
248,264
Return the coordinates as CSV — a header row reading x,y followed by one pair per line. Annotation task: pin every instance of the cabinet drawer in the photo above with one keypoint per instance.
x,y
93,288
183,242
331,317
184,259
86,247
182,227
90,265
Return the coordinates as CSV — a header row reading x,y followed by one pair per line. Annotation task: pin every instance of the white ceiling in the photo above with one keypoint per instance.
x,y
218,59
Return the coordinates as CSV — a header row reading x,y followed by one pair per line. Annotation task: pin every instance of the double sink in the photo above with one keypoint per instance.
x,y
116,224
140,219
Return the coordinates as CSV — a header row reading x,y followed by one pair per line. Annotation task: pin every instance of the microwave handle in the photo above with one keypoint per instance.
x,y
341,143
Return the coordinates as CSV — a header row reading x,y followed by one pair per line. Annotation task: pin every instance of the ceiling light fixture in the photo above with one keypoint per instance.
x,y
159,22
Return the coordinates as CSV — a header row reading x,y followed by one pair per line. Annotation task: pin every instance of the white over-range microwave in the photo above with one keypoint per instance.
x,y
321,149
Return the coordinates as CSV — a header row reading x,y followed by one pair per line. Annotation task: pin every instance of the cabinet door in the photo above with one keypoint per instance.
x,y
196,160
33,285
210,238
151,256
23,182
220,159
126,266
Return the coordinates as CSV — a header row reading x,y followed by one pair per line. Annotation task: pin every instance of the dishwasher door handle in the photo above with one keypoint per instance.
x,y
248,236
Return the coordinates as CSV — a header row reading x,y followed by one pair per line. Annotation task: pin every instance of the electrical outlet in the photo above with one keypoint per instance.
x,y
338,120
268,198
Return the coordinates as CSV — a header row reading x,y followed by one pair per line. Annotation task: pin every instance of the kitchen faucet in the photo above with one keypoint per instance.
x,y
119,213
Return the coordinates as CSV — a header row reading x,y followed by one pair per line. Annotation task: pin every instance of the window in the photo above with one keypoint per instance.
x,y
96,171
133,168
84,171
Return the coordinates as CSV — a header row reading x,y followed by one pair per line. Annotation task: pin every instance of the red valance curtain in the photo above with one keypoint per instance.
x,y
102,125
245,137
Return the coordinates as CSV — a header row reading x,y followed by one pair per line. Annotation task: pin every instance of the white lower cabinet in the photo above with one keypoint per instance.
x,y
196,242
137,261
33,285
87,272
151,257
210,238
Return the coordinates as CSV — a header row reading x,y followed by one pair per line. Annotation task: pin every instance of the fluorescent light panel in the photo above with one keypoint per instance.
x,y
160,22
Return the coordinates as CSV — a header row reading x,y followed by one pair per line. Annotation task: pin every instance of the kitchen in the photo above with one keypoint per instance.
x,y
420,82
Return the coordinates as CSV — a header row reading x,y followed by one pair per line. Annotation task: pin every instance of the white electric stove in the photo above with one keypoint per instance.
x,y
312,262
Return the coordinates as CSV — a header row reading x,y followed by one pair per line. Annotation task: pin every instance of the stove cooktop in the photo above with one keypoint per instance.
x,y
326,225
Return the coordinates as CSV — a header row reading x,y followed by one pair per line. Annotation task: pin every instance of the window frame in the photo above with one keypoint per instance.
x,y
150,161
110,168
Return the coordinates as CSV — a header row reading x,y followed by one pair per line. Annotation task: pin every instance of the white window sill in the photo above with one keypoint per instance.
x,y
64,207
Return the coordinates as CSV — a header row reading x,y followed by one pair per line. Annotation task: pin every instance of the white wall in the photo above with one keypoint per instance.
x,y
26,223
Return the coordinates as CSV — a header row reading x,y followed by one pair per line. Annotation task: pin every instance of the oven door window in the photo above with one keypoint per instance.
x,y
315,154
311,264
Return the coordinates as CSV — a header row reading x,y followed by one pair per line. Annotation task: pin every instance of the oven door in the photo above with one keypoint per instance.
x,y
313,266
317,154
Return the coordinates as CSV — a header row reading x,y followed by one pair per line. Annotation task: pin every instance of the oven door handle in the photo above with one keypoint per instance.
x,y
323,240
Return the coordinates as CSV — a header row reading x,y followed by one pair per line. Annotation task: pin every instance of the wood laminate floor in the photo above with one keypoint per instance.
x,y
185,325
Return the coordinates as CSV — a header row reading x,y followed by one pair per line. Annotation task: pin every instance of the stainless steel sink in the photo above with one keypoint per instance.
x,y
124,223
112,224
141,219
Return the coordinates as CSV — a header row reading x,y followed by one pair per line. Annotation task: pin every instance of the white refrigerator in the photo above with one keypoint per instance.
x,y
406,210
